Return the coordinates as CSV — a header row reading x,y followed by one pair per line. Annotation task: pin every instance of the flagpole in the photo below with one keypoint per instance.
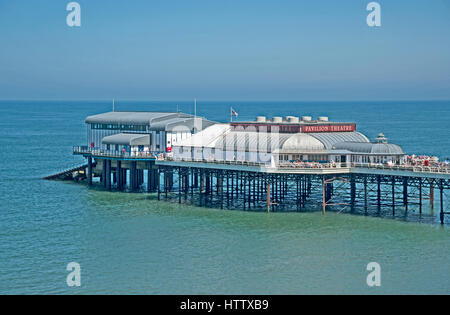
x,y
231,114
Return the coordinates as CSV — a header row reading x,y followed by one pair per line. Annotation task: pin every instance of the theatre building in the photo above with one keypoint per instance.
x,y
287,140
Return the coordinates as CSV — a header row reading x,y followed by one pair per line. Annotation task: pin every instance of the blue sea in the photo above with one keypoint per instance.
x,y
131,243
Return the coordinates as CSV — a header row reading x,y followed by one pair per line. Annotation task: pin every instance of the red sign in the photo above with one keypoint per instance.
x,y
329,128
169,149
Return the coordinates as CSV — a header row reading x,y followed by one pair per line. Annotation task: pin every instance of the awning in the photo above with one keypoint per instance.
x,y
127,139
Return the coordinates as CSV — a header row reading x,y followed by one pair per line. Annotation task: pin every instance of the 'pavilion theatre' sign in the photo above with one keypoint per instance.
x,y
329,128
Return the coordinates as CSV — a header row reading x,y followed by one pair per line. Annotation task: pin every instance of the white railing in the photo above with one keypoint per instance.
x,y
224,162
441,169
308,165
317,165
114,153
406,167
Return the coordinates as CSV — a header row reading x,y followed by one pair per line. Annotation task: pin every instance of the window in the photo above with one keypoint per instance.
x,y
119,127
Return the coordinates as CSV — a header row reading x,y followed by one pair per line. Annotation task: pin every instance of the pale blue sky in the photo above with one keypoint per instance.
x,y
225,50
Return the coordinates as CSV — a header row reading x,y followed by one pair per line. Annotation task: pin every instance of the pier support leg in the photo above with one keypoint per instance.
x,y
228,189
301,192
180,184
352,192
232,186
166,183
124,178
432,194
220,188
208,184
103,179
393,196
249,181
193,176
89,171
133,175
420,196
159,184
379,193
195,179
108,174
441,189
149,177
254,190
405,193
365,195
329,191
243,182
119,175
324,202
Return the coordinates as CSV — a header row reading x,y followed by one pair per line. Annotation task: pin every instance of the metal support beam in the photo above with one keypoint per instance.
x,y
393,196
133,175
441,190
89,171
108,174
405,193
119,175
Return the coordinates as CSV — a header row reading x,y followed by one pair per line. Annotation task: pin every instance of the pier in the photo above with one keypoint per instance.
x,y
376,190
278,164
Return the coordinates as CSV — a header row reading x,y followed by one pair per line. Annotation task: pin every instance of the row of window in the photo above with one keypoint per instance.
x,y
119,127
267,128
116,147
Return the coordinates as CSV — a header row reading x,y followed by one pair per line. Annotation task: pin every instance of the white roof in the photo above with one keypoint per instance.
x,y
127,139
220,136
206,137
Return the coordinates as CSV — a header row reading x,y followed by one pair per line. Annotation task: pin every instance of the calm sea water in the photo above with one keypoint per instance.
x,y
131,243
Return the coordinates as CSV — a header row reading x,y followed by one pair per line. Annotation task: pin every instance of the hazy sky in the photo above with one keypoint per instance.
x,y
225,50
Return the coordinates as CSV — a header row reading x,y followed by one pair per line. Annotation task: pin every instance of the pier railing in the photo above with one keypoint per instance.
x,y
114,153
317,165
290,165
405,167
222,162
441,169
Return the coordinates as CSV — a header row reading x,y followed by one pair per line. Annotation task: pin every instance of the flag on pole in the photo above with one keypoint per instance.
x,y
232,112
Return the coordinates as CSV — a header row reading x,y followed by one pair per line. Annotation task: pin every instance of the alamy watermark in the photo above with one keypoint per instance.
x,y
374,277
74,17
374,17
73,279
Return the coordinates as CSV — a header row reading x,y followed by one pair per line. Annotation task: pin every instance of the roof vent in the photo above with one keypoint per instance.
x,y
323,118
277,119
306,118
261,119
292,119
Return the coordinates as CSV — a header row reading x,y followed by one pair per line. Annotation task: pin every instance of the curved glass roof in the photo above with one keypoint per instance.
x,y
370,148
329,139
